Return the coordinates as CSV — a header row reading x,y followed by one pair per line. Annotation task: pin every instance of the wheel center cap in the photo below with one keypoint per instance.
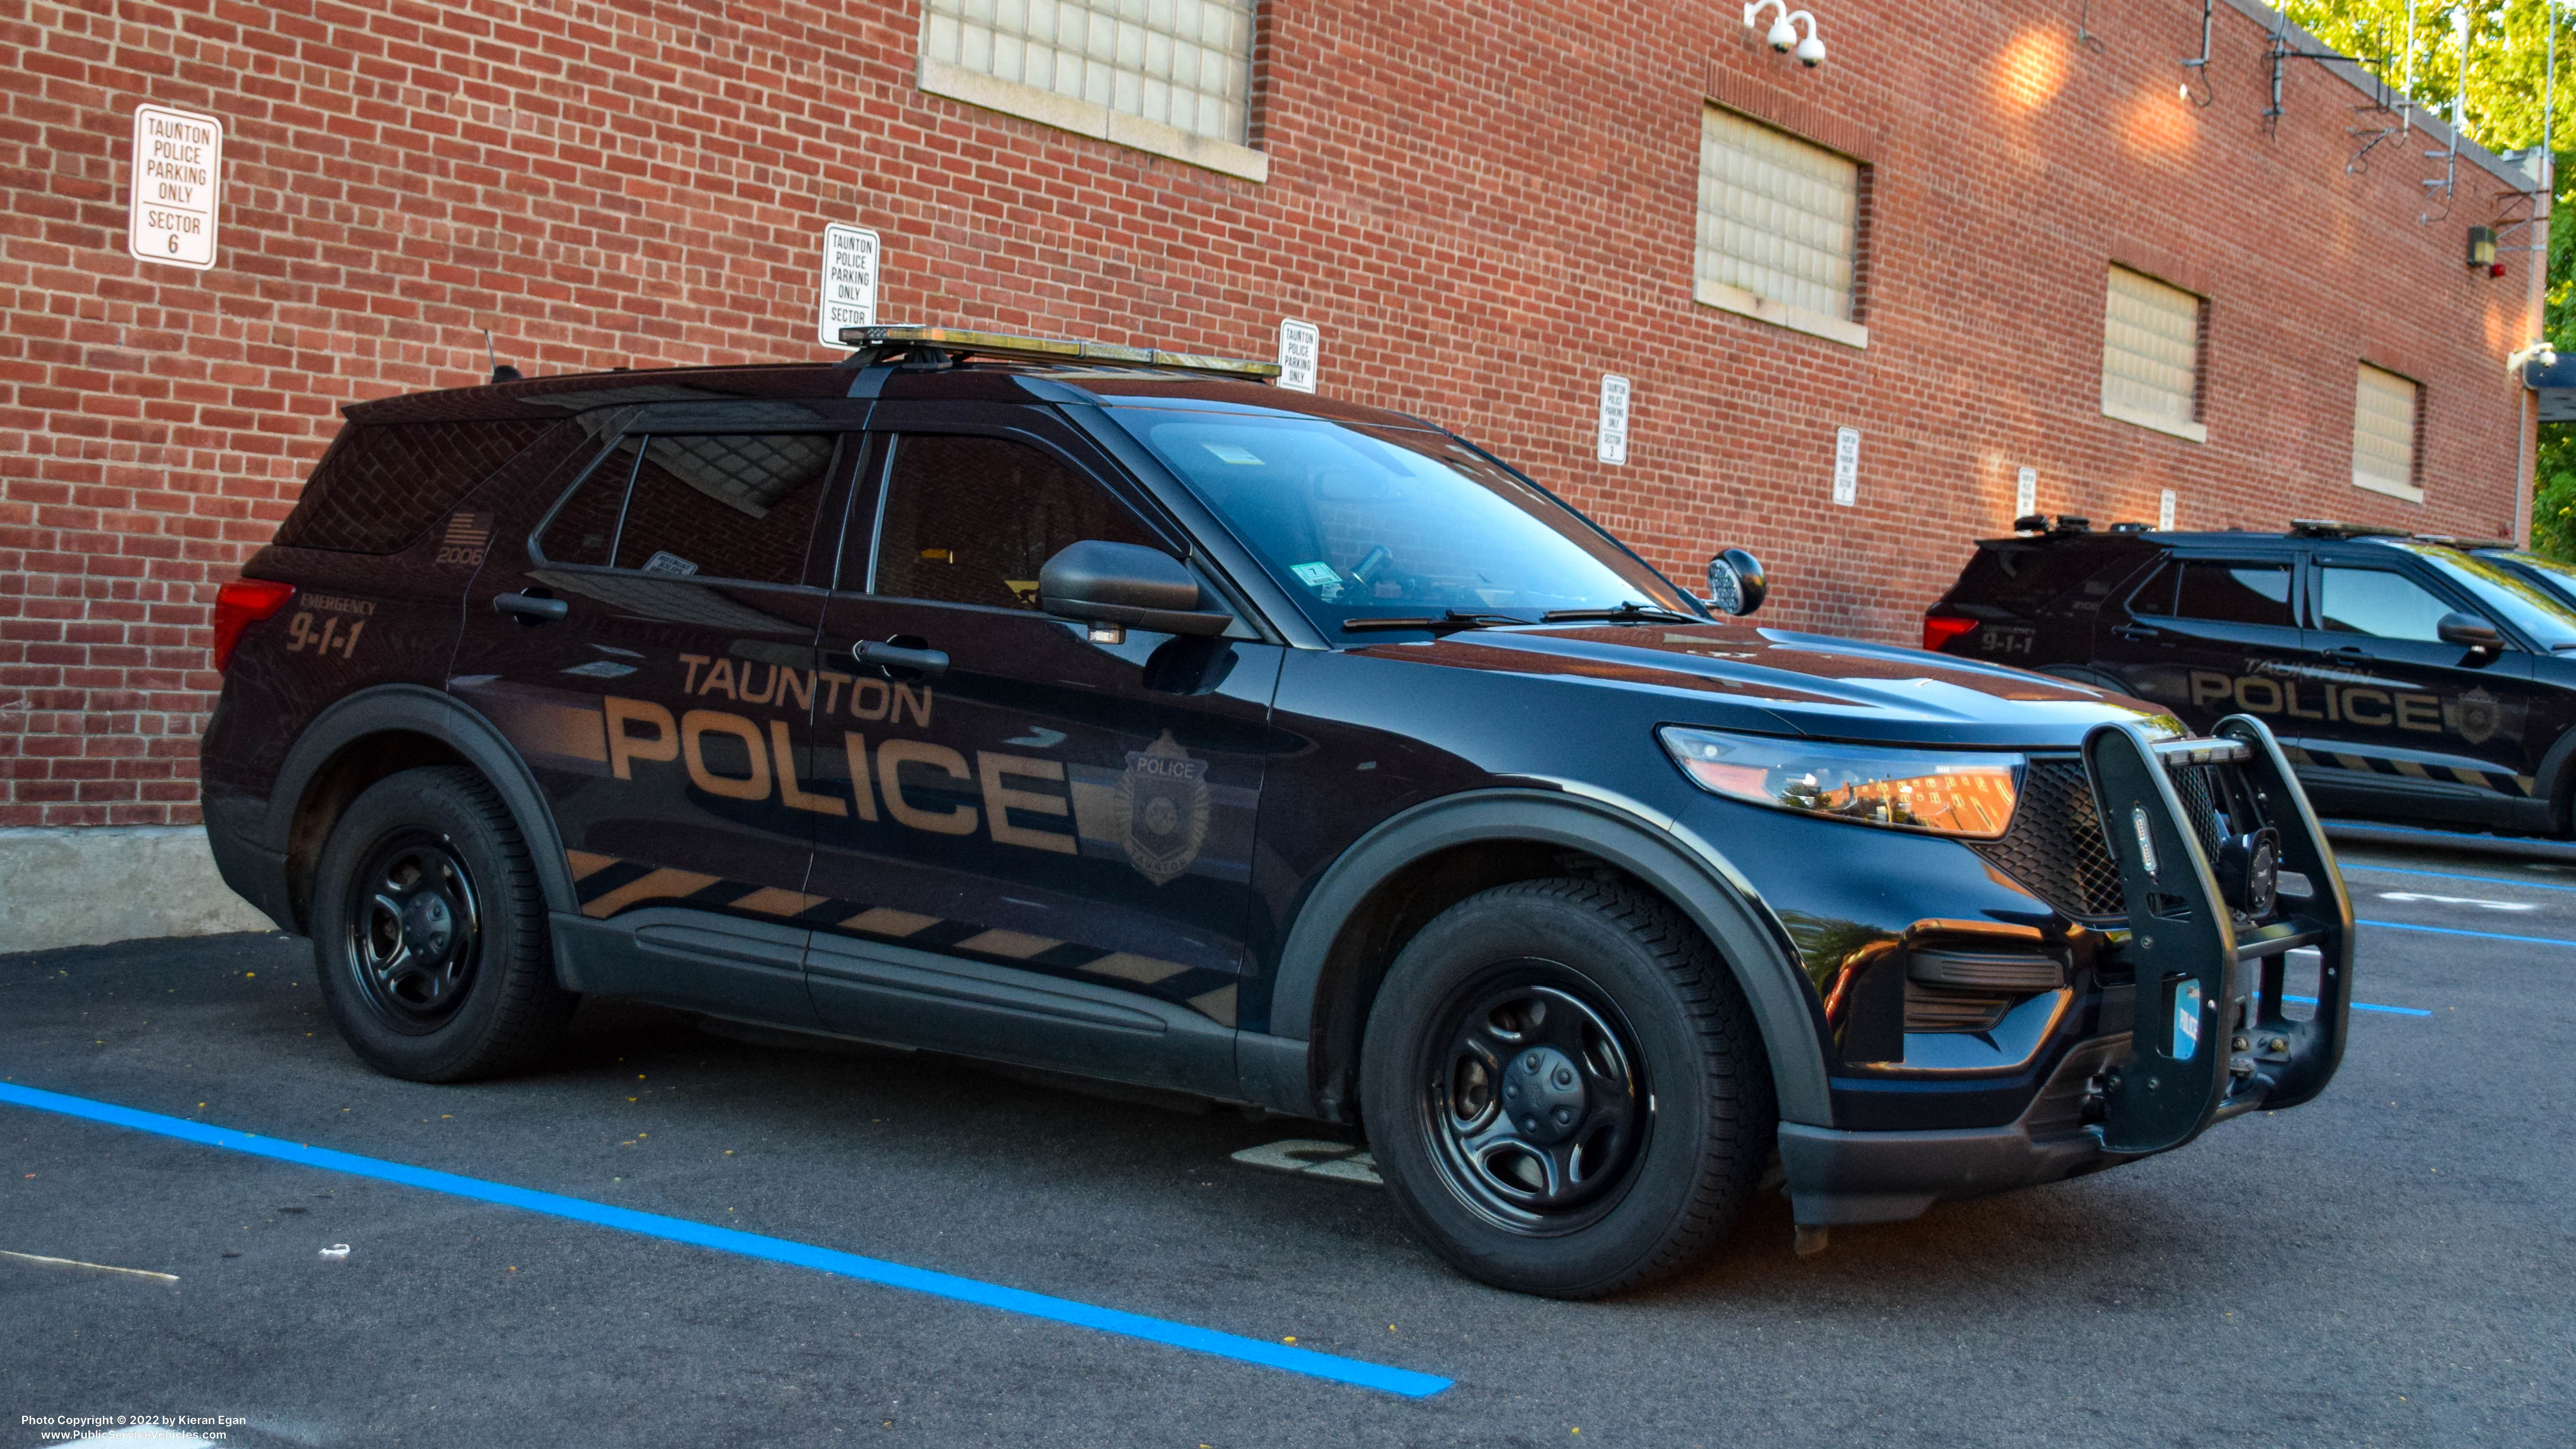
x,y
1543,1094
426,924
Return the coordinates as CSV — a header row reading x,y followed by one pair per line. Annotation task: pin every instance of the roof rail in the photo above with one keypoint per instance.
x,y
2327,528
2463,544
878,343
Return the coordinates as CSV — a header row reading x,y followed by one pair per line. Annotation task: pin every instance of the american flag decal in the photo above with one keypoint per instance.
x,y
468,534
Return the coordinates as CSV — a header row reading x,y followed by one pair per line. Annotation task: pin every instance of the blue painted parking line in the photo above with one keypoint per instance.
x,y
2364,1006
2538,885
2456,931
752,1245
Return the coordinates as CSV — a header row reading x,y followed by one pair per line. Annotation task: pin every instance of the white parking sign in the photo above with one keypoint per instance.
x,y
178,176
849,280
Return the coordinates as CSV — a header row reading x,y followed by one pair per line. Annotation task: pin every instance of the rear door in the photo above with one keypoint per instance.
x,y
2209,635
665,711
1049,858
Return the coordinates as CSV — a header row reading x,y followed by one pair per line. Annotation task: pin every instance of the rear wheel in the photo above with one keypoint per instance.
x,y
1564,1090
429,931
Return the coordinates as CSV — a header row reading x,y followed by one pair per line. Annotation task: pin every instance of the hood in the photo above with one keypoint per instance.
x,y
1733,675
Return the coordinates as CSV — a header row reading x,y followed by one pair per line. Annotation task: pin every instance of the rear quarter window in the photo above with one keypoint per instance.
x,y
2028,578
381,485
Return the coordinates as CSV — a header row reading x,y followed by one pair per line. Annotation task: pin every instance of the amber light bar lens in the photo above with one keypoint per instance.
x,y
1943,792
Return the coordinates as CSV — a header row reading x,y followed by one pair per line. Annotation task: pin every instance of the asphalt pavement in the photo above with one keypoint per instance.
x,y
675,1238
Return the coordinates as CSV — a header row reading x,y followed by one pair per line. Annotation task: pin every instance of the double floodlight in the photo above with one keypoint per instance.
x,y
1783,34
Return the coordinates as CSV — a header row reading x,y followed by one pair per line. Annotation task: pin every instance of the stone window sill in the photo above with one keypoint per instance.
x,y
2139,417
1085,118
2407,491
1780,314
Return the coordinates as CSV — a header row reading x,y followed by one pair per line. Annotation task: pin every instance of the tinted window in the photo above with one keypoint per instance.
x,y
972,520
2027,577
712,505
2156,596
381,485
2234,593
2381,604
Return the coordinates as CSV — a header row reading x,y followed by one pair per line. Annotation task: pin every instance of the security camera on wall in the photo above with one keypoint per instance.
x,y
1783,34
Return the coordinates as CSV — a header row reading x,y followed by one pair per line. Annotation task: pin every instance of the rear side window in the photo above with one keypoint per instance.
x,y
2219,592
719,505
382,484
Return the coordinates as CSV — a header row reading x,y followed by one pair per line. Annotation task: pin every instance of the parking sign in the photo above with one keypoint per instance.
x,y
178,177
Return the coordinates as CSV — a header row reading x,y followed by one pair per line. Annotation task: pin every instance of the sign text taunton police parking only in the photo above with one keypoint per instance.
x,y
178,176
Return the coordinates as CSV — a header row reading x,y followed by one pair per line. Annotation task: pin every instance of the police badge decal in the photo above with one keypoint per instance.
x,y
2474,716
1163,809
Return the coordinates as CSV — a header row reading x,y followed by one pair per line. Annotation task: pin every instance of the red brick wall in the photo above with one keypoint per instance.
x,y
1483,205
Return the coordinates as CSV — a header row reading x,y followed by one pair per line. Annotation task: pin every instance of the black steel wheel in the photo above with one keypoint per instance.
x,y
1564,1089
429,931
414,931
1532,1098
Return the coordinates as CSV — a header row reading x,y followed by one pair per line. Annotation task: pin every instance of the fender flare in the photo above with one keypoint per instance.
x,y
1686,870
413,709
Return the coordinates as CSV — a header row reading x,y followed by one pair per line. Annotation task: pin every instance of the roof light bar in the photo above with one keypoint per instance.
x,y
1048,349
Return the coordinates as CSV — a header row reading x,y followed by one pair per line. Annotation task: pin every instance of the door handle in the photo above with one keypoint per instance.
x,y
930,662
532,607
2347,651
2137,631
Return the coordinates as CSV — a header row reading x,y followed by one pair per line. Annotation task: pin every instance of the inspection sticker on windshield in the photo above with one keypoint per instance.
x,y
1317,576
1229,453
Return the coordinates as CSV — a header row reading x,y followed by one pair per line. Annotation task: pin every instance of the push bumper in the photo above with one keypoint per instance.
x,y
2211,1039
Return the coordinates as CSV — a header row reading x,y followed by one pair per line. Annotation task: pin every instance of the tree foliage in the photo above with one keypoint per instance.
x,y
2502,108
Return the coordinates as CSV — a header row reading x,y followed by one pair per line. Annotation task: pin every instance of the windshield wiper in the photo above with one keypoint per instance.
x,y
1449,622
1630,612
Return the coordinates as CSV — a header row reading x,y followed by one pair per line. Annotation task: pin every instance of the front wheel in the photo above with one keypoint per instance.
x,y
429,931
1564,1089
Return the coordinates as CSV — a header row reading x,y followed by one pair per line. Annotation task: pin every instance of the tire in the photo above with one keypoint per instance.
x,y
429,932
1652,1096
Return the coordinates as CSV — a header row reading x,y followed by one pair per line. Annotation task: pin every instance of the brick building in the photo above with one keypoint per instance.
x,y
1979,238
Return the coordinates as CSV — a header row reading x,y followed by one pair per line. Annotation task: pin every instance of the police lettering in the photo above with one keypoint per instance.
x,y
905,775
2356,704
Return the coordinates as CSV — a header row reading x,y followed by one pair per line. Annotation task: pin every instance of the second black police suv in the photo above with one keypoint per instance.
x,y
2415,679
1102,710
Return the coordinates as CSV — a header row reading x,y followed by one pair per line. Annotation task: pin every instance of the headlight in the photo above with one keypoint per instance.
x,y
1946,792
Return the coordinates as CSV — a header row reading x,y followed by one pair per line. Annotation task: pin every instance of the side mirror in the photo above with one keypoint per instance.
x,y
2469,631
1125,583
1735,583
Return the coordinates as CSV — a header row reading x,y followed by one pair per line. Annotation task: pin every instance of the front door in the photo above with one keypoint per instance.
x,y
1050,858
2420,726
664,710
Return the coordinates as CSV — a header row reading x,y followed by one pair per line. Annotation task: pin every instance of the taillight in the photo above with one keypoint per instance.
x,y
238,605
1940,629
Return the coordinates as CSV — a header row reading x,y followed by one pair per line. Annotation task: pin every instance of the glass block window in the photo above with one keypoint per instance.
x,y
1184,63
2151,353
1778,217
2383,434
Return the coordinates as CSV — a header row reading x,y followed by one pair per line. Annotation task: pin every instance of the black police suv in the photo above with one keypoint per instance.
x,y
2408,678
1108,712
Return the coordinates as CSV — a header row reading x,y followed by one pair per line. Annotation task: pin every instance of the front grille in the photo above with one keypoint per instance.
x,y
2055,845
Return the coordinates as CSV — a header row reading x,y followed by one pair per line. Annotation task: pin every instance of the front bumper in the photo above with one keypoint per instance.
x,y
2193,1057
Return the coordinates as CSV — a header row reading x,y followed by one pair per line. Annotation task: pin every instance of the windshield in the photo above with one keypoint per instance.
x,y
2510,597
1364,522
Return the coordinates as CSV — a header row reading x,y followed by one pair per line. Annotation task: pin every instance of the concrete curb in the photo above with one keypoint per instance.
x,y
92,886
